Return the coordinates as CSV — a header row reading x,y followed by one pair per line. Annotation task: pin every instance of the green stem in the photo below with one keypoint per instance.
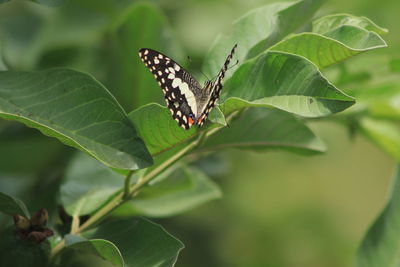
x,y
130,190
127,184
119,199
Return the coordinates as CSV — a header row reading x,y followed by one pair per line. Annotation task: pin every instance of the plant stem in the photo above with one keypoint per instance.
x,y
127,184
163,166
130,190
120,198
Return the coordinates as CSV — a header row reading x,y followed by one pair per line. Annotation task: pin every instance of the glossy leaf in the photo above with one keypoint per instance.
x,y
98,247
284,81
259,29
157,128
330,22
333,47
87,185
141,25
141,242
182,190
76,109
381,244
265,129
12,206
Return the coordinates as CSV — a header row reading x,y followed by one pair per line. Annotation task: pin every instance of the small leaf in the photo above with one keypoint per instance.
x,y
141,242
384,133
217,116
330,22
76,109
141,25
262,129
335,46
87,185
381,244
259,29
12,206
98,247
182,190
284,81
72,239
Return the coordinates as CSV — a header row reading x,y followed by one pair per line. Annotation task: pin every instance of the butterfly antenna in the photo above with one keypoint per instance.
x,y
190,60
237,62
205,76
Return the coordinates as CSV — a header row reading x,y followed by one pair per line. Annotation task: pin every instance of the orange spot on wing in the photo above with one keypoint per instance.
x,y
190,120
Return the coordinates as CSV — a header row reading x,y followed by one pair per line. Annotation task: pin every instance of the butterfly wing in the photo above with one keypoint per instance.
x,y
216,89
178,86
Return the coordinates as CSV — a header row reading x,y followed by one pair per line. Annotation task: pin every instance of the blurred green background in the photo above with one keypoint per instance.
x,y
278,209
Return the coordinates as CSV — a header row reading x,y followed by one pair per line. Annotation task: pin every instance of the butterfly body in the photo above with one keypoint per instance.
x,y
188,102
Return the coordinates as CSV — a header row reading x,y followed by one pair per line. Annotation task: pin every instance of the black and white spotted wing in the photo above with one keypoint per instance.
x,y
188,102
216,88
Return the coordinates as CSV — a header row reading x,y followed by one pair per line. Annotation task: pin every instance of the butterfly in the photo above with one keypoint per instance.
x,y
188,102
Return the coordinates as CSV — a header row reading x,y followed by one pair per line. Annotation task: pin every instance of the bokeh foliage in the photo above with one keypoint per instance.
x,y
305,78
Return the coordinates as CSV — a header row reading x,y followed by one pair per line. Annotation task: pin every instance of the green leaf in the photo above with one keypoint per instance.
x,y
182,190
99,247
335,46
157,128
141,25
259,29
141,242
385,134
330,22
87,185
76,109
380,101
264,129
381,245
12,206
284,81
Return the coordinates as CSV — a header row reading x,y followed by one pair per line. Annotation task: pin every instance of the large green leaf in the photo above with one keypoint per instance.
x,y
258,30
381,245
87,185
76,109
141,25
386,134
12,206
263,129
284,81
330,22
333,47
182,190
98,247
141,242
157,128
